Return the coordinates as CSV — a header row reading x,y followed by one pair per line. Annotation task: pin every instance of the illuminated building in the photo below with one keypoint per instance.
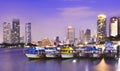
x,y
119,25
70,34
22,39
101,28
46,42
113,27
15,31
6,32
28,32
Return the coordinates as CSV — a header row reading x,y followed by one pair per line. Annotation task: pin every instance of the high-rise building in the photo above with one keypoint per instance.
x,y
16,31
81,36
87,35
118,25
101,28
6,32
28,33
113,27
22,39
70,34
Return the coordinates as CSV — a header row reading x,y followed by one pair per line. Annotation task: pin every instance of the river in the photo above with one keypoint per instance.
x,y
14,60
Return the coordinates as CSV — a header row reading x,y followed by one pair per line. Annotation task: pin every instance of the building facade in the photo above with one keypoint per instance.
x,y
101,28
81,36
87,36
113,27
15,31
6,32
28,32
70,35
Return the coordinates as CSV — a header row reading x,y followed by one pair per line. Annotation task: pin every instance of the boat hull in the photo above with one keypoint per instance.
x,y
67,55
95,55
50,56
33,56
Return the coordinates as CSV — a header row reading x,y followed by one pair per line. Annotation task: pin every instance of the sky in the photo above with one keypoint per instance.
x,y
50,18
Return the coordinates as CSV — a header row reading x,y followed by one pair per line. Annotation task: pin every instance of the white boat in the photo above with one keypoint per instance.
x,y
50,52
35,52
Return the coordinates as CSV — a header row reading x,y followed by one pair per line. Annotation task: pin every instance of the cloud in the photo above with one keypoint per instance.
x,y
84,12
113,13
77,12
72,0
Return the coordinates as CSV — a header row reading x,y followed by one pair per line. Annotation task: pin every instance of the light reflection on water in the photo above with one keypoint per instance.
x,y
15,60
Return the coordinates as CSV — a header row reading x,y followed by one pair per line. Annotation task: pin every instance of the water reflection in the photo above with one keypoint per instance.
x,y
94,62
15,60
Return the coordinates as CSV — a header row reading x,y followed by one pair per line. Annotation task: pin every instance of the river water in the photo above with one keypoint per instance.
x,y
15,60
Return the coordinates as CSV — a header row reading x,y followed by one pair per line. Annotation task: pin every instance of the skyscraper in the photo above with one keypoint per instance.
x,y
28,32
6,32
101,28
87,35
119,25
113,27
16,31
81,36
70,34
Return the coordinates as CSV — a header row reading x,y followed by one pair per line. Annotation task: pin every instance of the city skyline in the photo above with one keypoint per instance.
x,y
50,18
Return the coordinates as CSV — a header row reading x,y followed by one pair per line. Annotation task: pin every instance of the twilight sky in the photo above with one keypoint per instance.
x,y
50,18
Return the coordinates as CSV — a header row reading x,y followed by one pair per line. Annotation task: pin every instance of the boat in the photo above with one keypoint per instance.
x,y
66,51
95,52
81,52
35,52
109,51
51,52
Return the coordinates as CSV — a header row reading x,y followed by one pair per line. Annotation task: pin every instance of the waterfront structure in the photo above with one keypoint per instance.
x,y
15,31
101,28
6,32
81,36
114,27
46,42
87,35
28,33
70,34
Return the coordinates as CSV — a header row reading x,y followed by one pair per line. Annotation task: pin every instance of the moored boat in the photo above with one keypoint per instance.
x,y
109,51
95,52
35,52
66,51
81,52
51,52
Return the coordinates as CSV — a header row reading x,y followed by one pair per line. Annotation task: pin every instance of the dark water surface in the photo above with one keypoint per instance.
x,y
15,60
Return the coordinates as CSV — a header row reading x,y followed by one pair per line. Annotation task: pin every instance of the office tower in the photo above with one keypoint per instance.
x,y
6,32
70,34
22,39
94,37
15,31
113,27
118,25
28,32
101,28
87,35
81,36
